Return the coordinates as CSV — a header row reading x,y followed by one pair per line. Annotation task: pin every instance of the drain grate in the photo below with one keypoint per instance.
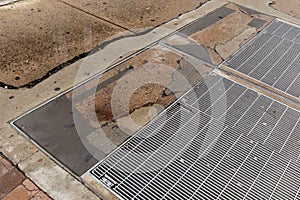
x,y
272,57
221,141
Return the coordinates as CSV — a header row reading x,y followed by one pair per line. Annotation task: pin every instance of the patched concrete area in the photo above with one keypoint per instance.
x,y
38,36
83,126
37,165
220,33
134,14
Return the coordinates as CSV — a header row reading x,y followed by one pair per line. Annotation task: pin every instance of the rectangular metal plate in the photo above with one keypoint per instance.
x,y
221,140
272,58
68,127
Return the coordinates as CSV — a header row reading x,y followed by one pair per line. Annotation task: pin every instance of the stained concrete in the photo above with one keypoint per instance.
x,y
220,33
139,67
290,7
51,177
69,140
38,36
135,14
16,102
265,7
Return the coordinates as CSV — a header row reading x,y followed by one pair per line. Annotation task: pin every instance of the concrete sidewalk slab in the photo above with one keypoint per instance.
x,y
16,102
220,33
265,7
52,178
290,7
135,14
38,36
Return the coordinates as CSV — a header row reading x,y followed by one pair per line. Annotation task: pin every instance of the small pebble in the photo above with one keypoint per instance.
x,y
265,124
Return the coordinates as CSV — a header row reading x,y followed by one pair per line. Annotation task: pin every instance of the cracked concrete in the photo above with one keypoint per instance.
x,y
133,14
226,49
32,161
148,94
19,101
125,104
40,36
224,32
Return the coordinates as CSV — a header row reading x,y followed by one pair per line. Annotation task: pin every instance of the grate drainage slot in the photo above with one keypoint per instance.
x,y
251,151
272,58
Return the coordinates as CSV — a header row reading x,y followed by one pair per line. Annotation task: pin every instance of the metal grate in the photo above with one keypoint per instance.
x,y
249,149
272,57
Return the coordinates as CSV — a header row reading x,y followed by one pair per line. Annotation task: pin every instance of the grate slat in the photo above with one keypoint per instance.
x,y
273,58
249,150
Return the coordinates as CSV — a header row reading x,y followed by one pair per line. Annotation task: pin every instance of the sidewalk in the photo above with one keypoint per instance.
x,y
43,45
14,185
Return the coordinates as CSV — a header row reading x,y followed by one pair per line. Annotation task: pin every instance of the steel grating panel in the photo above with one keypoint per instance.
x,y
198,150
272,57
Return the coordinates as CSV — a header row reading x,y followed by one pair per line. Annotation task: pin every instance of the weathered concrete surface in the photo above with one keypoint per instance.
x,y
25,99
99,189
225,50
14,185
221,36
16,102
140,117
37,36
138,68
265,7
16,147
52,178
48,47
133,14
290,7
224,37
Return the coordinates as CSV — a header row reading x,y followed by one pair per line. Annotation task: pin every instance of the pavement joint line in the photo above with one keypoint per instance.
x,y
15,166
159,41
91,14
186,54
59,67
40,148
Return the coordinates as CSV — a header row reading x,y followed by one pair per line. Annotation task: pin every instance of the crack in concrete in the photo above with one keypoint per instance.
x,y
215,50
101,18
94,50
